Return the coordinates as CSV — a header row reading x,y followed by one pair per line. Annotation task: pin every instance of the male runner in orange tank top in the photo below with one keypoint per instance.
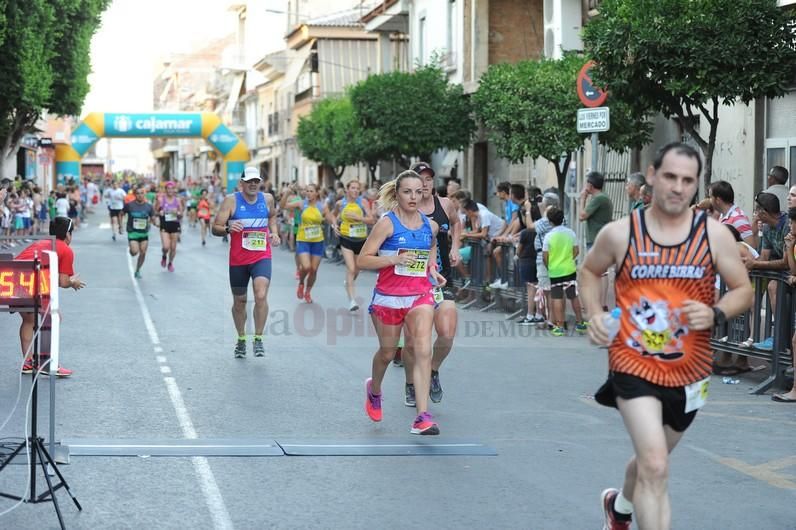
x,y
660,360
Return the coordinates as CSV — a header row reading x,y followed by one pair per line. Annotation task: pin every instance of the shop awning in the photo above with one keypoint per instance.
x,y
295,66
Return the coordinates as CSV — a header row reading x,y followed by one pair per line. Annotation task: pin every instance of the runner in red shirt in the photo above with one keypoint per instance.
x,y
61,228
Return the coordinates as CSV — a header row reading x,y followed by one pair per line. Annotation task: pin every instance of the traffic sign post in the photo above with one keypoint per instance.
x,y
589,95
594,118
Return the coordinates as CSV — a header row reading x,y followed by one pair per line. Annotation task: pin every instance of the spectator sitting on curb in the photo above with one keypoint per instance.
x,y
485,226
515,198
772,256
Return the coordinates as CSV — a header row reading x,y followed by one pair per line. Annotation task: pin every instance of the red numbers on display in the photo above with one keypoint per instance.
x,y
20,284
7,284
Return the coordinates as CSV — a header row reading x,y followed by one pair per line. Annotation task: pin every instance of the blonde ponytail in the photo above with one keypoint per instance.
x,y
388,193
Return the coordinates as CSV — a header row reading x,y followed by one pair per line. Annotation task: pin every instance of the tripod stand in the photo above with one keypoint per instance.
x,y
37,451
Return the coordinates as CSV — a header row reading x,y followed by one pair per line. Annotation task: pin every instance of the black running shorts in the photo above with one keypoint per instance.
x,y
354,245
628,386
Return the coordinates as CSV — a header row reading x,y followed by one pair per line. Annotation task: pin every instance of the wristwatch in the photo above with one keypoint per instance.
x,y
226,229
719,318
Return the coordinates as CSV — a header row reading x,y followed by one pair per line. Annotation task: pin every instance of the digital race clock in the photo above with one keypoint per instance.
x,y
17,283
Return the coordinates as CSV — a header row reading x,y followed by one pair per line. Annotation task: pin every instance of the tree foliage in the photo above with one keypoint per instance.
x,y
327,135
684,58
413,114
45,45
530,110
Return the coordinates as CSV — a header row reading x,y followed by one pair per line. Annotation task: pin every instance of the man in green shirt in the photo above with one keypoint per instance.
x,y
599,210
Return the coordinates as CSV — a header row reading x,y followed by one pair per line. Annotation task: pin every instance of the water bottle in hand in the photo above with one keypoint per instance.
x,y
611,323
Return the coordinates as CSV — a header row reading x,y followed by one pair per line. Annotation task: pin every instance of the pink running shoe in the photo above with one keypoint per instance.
x,y
424,424
372,402
171,267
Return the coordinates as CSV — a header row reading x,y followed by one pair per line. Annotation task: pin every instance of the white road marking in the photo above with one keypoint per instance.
x,y
165,370
158,349
104,226
161,359
207,481
361,446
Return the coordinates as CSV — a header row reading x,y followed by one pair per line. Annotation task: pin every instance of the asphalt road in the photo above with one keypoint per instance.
x,y
160,369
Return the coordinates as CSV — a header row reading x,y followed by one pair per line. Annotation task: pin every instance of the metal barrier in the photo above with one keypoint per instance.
x,y
478,283
516,293
776,323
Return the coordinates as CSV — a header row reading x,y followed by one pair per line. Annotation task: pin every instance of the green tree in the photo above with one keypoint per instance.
x,y
406,115
45,45
327,134
685,58
530,110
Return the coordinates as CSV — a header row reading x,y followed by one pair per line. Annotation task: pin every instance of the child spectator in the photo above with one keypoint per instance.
x,y
527,217
560,248
542,226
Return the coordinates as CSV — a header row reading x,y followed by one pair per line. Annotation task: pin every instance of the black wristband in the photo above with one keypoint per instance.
x,y
226,229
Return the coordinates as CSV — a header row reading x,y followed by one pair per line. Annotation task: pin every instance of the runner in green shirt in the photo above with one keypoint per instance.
x,y
140,215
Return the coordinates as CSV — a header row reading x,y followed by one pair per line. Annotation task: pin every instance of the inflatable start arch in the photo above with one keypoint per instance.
x,y
205,125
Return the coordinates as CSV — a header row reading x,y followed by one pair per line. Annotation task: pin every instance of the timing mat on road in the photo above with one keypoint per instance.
x,y
286,447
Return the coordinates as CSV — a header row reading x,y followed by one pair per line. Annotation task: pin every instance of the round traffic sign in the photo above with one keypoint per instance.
x,y
589,95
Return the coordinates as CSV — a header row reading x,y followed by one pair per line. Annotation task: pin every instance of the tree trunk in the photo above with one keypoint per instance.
x,y
372,170
709,146
714,127
5,152
10,145
561,175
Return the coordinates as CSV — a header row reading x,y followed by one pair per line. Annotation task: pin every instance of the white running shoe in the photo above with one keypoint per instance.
x,y
353,306
497,284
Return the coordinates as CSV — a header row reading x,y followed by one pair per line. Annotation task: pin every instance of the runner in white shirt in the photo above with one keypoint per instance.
x,y
114,198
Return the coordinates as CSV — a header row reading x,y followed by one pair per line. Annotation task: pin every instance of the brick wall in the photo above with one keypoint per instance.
x,y
516,30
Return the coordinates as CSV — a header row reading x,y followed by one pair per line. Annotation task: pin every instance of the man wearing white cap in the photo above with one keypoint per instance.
x,y
246,216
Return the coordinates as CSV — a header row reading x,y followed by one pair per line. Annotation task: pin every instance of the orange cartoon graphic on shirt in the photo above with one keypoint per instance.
x,y
658,330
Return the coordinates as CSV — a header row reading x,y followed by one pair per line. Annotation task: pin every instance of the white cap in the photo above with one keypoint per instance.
x,y
250,173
